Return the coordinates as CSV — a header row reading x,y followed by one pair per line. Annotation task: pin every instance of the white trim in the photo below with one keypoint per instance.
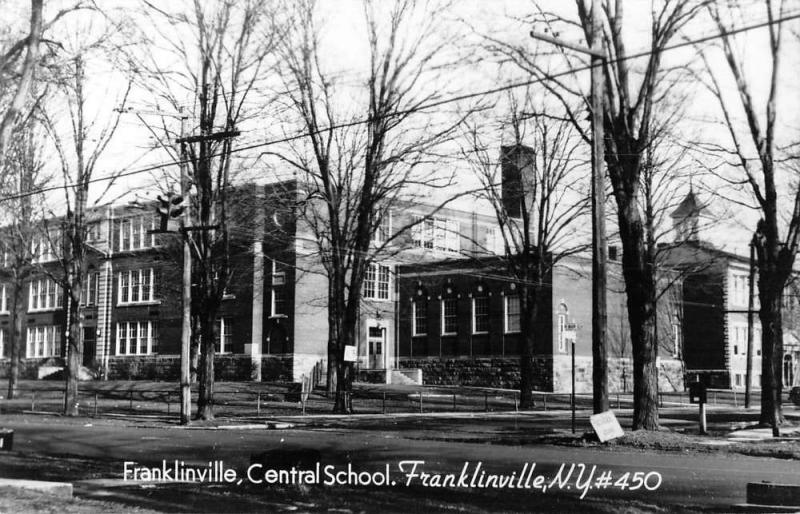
x,y
475,315
140,289
506,330
414,332
442,303
151,333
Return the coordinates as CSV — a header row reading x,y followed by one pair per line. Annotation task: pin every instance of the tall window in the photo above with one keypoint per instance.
x,y
43,341
137,338
480,314
132,233
4,303
44,294
376,282
449,316
90,289
494,241
135,286
739,289
384,229
419,314
512,314
437,233
278,290
3,337
224,336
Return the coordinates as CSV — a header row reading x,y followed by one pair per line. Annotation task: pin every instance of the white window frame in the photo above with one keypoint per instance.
x,y
135,327
42,341
4,299
278,283
506,324
444,316
91,288
2,343
475,315
377,282
40,293
125,287
384,230
414,310
224,334
126,228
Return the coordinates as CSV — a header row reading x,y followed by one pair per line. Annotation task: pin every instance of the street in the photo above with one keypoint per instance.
x,y
706,481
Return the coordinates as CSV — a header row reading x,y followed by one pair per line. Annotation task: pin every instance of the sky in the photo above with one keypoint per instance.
x,y
466,24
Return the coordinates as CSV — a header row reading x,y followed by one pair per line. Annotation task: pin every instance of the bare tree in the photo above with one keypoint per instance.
x,y
79,144
358,163
753,149
537,194
220,51
23,177
635,90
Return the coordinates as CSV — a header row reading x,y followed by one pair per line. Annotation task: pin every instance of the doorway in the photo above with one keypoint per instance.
x,y
89,346
376,343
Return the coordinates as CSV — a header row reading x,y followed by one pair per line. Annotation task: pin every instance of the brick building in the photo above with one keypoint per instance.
x,y
459,323
716,301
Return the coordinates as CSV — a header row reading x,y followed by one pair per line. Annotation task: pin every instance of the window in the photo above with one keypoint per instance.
x,y
278,291
43,341
90,289
735,349
376,282
438,233
224,335
738,379
494,241
135,286
512,317
44,294
4,292
419,315
43,247
449,316
132,233
3,337
137,338
480,314
384,229
93,231
740,286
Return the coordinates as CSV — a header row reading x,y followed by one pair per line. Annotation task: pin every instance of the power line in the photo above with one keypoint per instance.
x,y
419,108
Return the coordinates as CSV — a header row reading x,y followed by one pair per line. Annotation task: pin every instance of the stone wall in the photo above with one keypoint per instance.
x,y
497,372
226,368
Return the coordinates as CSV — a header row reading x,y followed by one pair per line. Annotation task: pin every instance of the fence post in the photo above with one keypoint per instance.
x,y
544,397
486,402
420,402
33,401
168,406
383,408
258,404
130,399
95,404
516,405
735,403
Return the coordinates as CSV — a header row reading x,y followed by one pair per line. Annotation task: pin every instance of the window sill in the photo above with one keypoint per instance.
x,y
449,334
419,335
278,316
139,304
508,332
50,309
481,333
228,296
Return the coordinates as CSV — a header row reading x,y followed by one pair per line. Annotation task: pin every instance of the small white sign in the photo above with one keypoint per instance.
x,y
350,353
606,426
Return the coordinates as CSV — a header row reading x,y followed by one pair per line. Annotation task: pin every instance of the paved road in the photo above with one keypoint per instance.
x,y
704,481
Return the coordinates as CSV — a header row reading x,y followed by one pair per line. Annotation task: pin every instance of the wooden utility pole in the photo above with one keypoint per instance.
x,y
599,241
186,296
750,301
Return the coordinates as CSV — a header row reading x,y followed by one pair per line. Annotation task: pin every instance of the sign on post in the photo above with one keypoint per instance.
x,y
350,353
606,426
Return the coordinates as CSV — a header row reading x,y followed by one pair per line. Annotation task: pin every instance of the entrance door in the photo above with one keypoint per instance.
x,y
376,336
89,345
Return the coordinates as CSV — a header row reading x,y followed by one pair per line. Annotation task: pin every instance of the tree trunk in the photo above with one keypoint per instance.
x,y
15,344
772,354
74,341
640,287
205,396
343,403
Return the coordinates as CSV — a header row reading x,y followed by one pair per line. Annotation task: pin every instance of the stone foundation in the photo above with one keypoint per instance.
x,y
229,368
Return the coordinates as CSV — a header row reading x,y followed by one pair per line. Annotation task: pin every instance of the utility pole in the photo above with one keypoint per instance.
x,y
599,241
186,296
750,306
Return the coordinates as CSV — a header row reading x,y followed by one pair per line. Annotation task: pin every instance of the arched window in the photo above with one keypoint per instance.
x,y
449,311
